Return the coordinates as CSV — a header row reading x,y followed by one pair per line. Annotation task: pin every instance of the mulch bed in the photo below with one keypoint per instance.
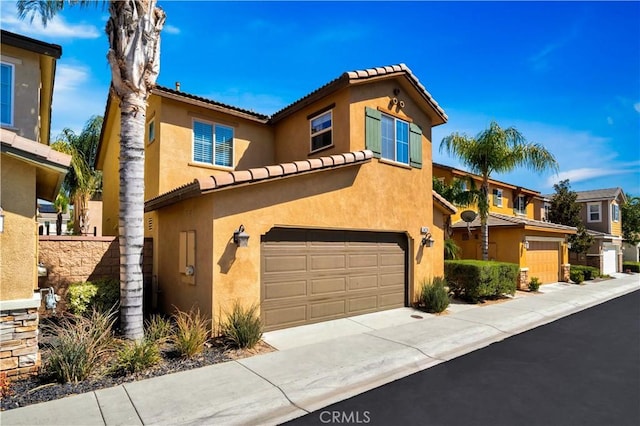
x,y
41,388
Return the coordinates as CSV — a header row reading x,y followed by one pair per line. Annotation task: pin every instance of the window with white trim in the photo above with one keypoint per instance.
x,y
497,197
615,212
520,205
212,144
6,93
594,212
321,131
395,139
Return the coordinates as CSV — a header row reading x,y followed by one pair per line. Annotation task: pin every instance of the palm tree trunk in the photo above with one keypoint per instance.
x,y
483,207
131,229
59,223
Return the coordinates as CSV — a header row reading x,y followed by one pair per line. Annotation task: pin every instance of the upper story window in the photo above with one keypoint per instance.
x,y
321,131
212,144
520,205
392,138
151,131
594,213
615,212
497,197
6,93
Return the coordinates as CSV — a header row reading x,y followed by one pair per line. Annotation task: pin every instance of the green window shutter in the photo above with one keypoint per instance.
x,y
373,133
415,146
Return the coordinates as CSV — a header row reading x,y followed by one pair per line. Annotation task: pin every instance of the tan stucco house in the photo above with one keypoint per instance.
x,y
516,233
334,193
29,170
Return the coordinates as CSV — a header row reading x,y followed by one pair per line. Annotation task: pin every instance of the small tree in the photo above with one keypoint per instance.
x,y
565,210
630,211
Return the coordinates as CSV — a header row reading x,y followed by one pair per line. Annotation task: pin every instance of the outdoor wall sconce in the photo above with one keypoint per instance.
x,y
1,220
240,238
427,240
526,244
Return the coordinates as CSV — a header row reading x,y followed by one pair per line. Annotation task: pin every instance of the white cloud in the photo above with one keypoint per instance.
x,y
57,27
586,173
70,77
171,29
636,106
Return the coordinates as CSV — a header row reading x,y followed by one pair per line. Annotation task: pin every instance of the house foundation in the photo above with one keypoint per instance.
x,y
19,355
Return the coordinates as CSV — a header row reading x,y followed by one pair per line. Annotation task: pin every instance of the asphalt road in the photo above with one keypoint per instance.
x,y
583,369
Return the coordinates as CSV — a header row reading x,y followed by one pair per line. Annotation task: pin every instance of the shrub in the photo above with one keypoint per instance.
x,y
631,266
158,329
243,327
192,331
588,272
576,276
434,296
137,356
473,280
534,284
78,345
100,295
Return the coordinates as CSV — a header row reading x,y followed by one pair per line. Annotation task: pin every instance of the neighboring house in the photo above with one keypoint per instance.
x,y
600,214
630,253
30,170
515,235
47,217
334,192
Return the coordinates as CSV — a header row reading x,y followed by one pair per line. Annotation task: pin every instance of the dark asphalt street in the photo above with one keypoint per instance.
x,y
581,370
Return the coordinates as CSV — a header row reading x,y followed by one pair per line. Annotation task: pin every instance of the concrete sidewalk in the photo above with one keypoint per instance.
x,y
319,364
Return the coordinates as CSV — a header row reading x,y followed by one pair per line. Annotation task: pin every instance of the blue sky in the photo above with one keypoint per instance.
x,y
566,75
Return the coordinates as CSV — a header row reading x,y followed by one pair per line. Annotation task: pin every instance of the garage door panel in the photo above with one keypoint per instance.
x,y
328,285
346,273
328,309
283,290
543,260
285,263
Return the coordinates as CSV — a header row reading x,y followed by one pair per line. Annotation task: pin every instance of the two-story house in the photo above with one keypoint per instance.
x,y
515,235
600,214
29,170
333,192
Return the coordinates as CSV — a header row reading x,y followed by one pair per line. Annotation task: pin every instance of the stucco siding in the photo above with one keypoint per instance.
x,y
18,242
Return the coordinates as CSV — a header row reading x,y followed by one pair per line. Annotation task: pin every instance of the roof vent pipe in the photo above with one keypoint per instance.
x,y
177,86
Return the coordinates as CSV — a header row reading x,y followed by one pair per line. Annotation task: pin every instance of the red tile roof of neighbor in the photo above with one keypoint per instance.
x,y
497,219
257,175
443,202
12,142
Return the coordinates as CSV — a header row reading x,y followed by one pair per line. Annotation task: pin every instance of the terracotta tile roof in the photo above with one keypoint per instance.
x,y
257,175
33,150
497,219
491,180
362,75
444,203
161,90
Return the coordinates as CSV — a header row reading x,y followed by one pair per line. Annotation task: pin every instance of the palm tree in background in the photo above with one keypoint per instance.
x,y
61,204
82,181
496,150
133,30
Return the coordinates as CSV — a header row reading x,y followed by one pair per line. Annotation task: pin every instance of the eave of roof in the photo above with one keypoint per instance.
x,y
361,76
492,181
240,178
31,44
33,151
446,205
500,220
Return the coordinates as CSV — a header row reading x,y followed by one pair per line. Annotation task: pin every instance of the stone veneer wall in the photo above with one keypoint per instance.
x,y
71,259
523,279
19,354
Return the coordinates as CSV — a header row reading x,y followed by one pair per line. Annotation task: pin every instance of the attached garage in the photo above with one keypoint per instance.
x,y
310,276
543,261
609,261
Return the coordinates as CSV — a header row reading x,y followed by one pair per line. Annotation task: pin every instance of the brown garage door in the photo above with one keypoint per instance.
x,y
543,260
314,275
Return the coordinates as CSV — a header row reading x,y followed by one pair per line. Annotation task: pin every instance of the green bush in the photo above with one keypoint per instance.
x,y
434,296
534,284
100,295
158,329
473,280
588,272
78,345
243,327
192,331
576,276
137,356
631,266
